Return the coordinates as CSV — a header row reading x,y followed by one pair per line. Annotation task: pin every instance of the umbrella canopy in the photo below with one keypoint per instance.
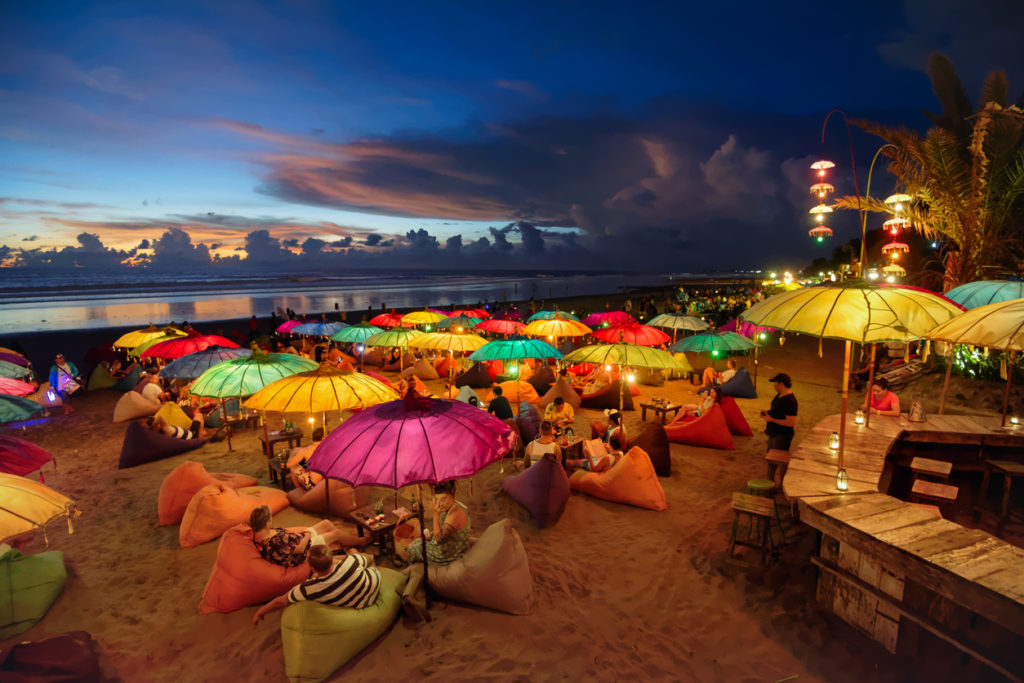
x,y
144,346
4,349
447,341
26,505
748,330
323,390
387,320
609,317
425,317
413,441
458,321
246,376
632,333
678,322
13,370
515,348
558,326
182,346
998,326
470,313
15,409
195,364
398,337
713,342
548,315
14,359
983,292
509,315
21,457
624,355
130,340
288,325
15,387
356,334
501,326
318,329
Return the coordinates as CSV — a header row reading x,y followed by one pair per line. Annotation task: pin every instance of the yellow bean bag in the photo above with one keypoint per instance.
x,y
318,639
133,405
493,573
185,481
215,509
174,415
632,480
516,391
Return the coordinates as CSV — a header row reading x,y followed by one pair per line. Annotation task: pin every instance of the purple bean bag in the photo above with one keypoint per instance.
x,y
143,445
529,422
543,489
73,656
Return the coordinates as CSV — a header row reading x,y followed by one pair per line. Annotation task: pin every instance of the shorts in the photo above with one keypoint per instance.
x,y
779,441
315,538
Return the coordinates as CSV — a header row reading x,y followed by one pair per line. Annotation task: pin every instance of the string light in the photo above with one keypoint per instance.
x,y
898,222
821,190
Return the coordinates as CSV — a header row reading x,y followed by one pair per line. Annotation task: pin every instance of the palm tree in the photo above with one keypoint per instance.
x,y
966,175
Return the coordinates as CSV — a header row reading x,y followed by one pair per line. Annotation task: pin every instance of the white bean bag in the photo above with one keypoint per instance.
x,y
133,405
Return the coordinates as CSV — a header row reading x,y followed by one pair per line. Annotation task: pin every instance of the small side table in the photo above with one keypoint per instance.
x,y
659,409
278,473
380,532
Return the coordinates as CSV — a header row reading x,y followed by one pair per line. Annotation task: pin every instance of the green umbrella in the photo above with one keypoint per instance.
x,y
13,370
356,334
15,409
515,348
463,321
625,355
713,343
548,315
396,337
245,376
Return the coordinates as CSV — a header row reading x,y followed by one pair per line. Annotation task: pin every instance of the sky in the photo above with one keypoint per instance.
x,y
509,135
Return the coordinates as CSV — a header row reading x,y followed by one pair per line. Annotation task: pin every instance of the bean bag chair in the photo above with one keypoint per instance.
x,y
528,420
128,382
29,584
373,357
607,396
343,498
464,394
45,397
734,417
174,415
740,386
654,442
634,390
582,369
134,405
563,388
632,480
542,489
408,360
542,379
493,573
650,377
215,509
240,577
442,365
143,445
345,365
476,377
685,362
710,430
100,379
318,639
421,369
73,656
515,391
184,481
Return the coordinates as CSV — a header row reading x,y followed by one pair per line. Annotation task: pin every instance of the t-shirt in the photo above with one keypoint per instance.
x,y
558,414
538,450
888,402
728,374
152,391
500,408
351,583
782,406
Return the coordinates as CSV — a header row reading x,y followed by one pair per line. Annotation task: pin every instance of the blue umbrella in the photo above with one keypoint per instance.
x,y
14,409
13,370
713,343
465,322
548,315
194,364
983,292
318,329
515,348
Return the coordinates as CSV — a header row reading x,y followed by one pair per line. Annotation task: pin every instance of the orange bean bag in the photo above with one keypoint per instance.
x,y
240,577
184,481
343,498
443,365
734,417
516,391
709,430
215,509
562,388
632,481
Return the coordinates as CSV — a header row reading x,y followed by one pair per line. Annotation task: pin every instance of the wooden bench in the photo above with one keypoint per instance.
x,y
937,469
930,490
760,511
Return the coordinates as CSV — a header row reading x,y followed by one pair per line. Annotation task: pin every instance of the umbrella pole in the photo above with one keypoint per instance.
x,y
755,368
842,415
423,540
871,381
945,383
1009,382
224,416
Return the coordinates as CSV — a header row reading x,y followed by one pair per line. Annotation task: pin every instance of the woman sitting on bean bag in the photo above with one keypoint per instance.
x,y
289,548
703,404
613,440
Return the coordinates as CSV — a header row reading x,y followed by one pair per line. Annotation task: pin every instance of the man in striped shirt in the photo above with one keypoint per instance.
x,y
349,581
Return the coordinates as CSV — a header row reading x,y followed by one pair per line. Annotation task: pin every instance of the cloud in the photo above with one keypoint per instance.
x,y
174,249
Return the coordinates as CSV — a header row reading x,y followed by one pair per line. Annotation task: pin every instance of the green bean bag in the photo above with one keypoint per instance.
x,y
128,382
29,584
100,379
318,639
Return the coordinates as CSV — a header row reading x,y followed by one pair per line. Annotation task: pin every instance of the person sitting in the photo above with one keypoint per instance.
x,y
298,464
544,443
703,405
499,406
448,538
614,440
157,423
711,378
598,378
150,388
117,371
350,581
882,401
560,414
290,548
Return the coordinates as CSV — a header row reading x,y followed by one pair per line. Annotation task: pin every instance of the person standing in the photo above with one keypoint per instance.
x,y
64,380
780,418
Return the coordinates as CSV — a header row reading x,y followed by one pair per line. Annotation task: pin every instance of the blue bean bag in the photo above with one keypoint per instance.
x,y
542,489
529,422
29,584
143,445
740,386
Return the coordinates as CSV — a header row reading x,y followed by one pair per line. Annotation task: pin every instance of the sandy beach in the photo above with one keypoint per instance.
x,y
620,592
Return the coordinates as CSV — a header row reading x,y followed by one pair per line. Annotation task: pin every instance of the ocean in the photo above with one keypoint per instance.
x,y
47,301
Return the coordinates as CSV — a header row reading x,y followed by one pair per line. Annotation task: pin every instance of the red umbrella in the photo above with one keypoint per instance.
x,y
21,457
288,325
15,387
182,346
470,313
387,320
501,326
611,317
631,333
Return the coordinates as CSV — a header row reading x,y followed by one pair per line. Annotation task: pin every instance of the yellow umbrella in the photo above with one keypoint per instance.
x,y
424,317
130,340
447,341
997,326
325,389
558,326
27,505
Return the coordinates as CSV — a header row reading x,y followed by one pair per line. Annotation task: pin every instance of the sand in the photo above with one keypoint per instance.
x,y
620,592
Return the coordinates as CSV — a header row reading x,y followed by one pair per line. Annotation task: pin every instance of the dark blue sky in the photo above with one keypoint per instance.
x,y
626,134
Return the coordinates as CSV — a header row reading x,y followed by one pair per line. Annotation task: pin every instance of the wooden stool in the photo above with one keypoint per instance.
x,y
930,491
935,470
759,512
778,461
1010,470
766,487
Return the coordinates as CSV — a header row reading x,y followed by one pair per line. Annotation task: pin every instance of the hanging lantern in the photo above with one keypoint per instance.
x,y
820,232
893,271
897,201
842,480
822,189
822,166
894,249
819,212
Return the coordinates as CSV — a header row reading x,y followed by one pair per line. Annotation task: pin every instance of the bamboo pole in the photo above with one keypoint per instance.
x,y
871,381
1009,382
426,572
842,415
945,383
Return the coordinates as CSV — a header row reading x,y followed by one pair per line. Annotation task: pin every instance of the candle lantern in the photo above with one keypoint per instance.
x,y
842,480
833,441
859,417
1014,420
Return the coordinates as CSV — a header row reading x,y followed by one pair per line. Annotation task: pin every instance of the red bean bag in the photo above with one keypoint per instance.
x,y
709,430
632,481
240,577
734,417
143,445
443,365
562,388
343,498
543,489
582,369
215,509
654,441
372,356
184,481
516,391
607,396
73,656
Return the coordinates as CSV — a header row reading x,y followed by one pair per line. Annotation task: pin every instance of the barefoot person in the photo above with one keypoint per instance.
x,y
780,418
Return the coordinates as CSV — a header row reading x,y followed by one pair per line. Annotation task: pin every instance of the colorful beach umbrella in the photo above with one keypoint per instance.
x,y
548,315
27,505
459,321
983,292
144,346
496,326
387,320
15,387
14,358
323,390
509,314
608,317
288,325
558,326
13,370
21,457
5,349
395,338
470,313
16,409
323,329
447,341
515,348
130,340
631,333
624,355
356,334
713,342
746,329
674,321
182,346
195,364
245,376
424,317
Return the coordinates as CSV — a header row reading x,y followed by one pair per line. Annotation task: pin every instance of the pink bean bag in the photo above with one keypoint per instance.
x,y
543,489
184,481
710,430
215,509
632,481
734,417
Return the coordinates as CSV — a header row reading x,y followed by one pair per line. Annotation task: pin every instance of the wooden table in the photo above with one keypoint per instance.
x,y
576,446
278,473
1009,469
660,409
381,533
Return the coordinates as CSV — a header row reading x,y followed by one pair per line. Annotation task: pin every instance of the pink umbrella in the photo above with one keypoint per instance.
x,y
21,457
15,387
611,317
509,315
288,325
632,333
501,326
182,346
745,328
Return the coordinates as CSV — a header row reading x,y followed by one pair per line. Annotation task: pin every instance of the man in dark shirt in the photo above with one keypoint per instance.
x,y
780,419
500,407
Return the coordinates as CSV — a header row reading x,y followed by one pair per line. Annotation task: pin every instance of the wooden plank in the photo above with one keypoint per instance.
x,y
893,518
754,505
930,489
935,468
1010,467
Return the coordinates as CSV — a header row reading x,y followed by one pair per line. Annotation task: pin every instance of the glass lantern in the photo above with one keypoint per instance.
x,y
859,417
842,480
833,441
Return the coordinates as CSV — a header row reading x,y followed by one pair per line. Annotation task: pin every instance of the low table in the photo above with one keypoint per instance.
x,y
380,532
660,409
576,446
278,472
